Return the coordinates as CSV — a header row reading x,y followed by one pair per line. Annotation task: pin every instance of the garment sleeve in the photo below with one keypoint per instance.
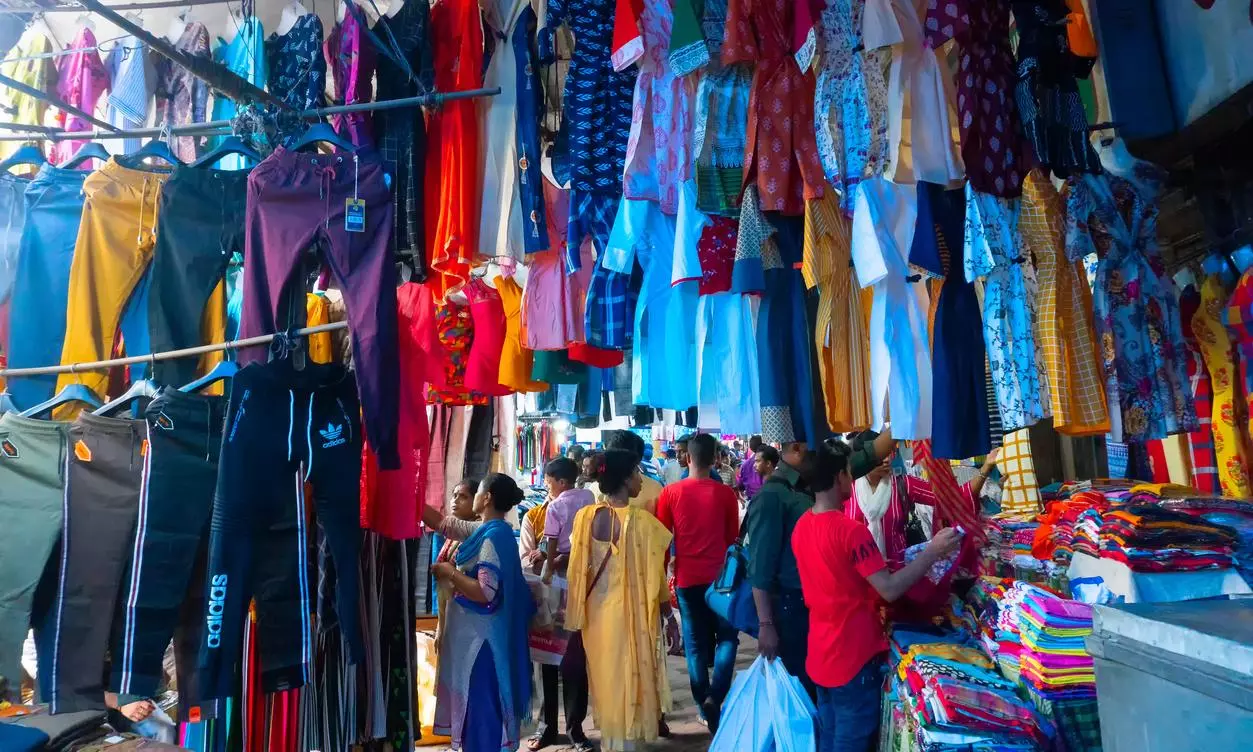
x,y
456,529
528,541
740,43
1078,212
862,461
805,32
690,222
980,236
688,50
628,38
864,554
763,528
879,25
629,229
947,20
866,250
554,520
665,512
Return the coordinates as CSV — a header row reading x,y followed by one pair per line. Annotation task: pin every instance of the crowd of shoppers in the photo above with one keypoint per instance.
x,y
612,528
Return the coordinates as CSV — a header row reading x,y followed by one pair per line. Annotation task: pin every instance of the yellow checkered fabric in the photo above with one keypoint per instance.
x,y
841,332
1064,326
1020,491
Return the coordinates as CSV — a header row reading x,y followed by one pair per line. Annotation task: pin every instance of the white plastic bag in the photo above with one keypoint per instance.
x,y
792,712
746,716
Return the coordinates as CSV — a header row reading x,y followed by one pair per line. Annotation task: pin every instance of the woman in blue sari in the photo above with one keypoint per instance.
x,y
483,689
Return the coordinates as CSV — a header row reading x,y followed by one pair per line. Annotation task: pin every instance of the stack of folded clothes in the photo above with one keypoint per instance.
x,y
1054,660
1151,538
1236,514
946,695
1087,536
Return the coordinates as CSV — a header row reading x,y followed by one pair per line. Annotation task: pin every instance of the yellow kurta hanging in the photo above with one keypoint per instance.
x,y
1215,344
841,336
515,359
1064,324
621,621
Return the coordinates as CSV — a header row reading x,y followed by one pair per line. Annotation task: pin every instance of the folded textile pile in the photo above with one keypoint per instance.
x,y
1087,535
1152,538
1054,661
946,695
1235,514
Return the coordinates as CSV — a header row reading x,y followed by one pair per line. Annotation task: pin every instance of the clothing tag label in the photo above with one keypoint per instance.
x,y
143,448
9,449
164,422
81,451
354,215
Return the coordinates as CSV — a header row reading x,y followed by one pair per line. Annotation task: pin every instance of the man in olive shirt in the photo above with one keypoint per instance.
x,y
768,525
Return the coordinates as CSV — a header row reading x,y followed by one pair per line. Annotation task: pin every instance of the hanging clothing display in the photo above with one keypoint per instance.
x,y
920,98
1064,317
132,82
1202,450
1215,340
851,99
37,70
516,359
781,155
553,302
451,184
995,253
350,57
513,221
996,155
1050,58
483,359
455,331
841,337
402,137
900,359
959,415
1020,491
81,80
1136,313
244,56
296,66
12,207
181,98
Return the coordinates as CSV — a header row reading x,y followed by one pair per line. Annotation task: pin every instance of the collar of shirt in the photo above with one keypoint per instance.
x,y
787,473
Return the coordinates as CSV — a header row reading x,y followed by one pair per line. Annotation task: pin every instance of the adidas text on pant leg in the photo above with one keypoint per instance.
x,y
106,461
32,492
184,438
285,428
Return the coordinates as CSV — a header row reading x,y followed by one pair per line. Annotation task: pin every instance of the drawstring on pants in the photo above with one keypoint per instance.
x,y
143,202
325,176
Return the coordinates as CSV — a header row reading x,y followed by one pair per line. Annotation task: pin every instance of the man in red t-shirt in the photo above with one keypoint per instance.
x,y
704,515
843,577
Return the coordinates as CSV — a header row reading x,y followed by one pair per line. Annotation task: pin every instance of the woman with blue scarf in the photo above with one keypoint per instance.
x,y
483,689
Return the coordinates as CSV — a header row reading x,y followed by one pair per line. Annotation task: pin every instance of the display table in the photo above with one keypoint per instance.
x,y
1156,587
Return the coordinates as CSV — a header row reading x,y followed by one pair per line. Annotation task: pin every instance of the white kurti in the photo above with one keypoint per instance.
x,y
900,359
922,125
500,223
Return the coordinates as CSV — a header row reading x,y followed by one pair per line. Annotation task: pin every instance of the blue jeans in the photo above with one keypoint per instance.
x,y
709,642
848,716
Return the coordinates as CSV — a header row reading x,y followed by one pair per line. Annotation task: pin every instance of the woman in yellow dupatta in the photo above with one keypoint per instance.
x,y
618,571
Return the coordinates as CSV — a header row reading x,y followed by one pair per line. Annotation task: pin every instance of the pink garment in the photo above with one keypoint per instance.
x,y
391,500
559,520
553,303
81,79
351,58
897,514
659,150
483,363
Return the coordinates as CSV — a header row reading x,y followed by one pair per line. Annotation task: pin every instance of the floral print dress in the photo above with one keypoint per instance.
x,y
850,104
1136,312
995,252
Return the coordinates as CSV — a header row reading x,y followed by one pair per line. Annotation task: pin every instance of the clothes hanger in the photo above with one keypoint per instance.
x,y
89,150
6,403
232,145
320,131
224,369
75,392
154,149
26,154
144,388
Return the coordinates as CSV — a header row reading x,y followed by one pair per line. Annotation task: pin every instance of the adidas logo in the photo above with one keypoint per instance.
x,y
332,435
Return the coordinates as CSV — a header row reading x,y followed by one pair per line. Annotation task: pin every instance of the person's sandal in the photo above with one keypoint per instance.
x,y
539,741
581,746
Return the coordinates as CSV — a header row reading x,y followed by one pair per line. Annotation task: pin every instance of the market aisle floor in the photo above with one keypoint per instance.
x,y
688,733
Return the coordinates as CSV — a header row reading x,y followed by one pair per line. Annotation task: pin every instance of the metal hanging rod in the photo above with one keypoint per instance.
x,y
186,352
57,103
218,126
100,47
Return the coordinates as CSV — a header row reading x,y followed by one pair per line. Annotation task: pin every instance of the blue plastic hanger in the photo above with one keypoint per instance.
x,y
232,145
156,149
6,404
322,132
1242,257
71,393
223,370
27,154
89,150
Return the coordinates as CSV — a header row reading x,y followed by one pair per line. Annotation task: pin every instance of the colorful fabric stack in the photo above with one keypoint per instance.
x,y
1087,536
1151,538
1231,513
1054,660
946,695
